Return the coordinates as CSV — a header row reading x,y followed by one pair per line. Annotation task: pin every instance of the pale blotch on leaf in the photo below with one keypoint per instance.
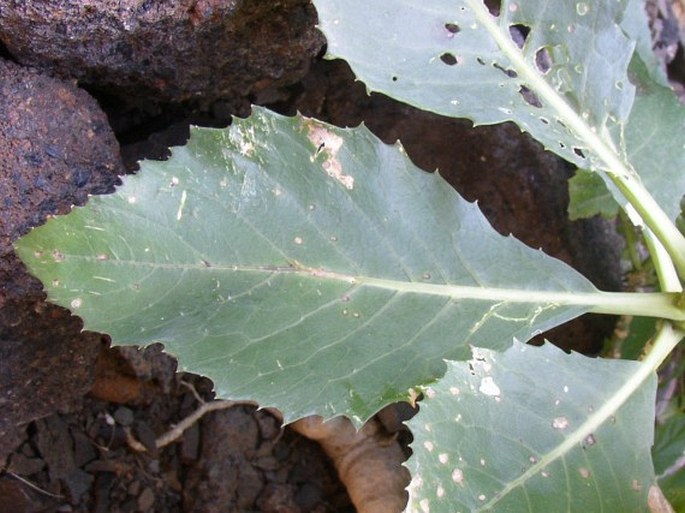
x,y
440,492
425,505
454,391
329,144
590,439
103,257
560,423
298,240
657,501
58,256
443,458
584,473
429,445
458,476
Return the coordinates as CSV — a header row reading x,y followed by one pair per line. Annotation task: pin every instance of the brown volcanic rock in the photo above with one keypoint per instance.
x,y
168,50
56,148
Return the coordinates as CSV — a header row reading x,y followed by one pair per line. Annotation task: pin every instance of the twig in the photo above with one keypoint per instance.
x,y
177,431
35,487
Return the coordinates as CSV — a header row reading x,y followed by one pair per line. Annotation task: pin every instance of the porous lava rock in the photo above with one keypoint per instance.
x,y
169,50
56,148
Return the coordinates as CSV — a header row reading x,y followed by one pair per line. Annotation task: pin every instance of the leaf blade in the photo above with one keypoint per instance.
x,y
261,266
520,440
578,94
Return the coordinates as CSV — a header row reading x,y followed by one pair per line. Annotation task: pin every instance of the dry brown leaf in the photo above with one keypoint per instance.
x,y
368,461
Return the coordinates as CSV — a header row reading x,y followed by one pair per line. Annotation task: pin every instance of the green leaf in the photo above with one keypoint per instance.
x,y
567,85
655,139
589,196
669,459
533,430
310,268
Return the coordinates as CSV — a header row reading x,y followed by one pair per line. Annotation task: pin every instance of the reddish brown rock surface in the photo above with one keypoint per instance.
x,y
168,50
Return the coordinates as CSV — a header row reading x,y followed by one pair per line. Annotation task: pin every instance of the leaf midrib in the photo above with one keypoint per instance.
x,y
656,304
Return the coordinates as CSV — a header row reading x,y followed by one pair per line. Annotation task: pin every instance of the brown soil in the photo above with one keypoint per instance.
x,y
79,419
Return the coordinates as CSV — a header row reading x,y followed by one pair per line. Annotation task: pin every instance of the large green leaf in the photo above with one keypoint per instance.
x,y
456,59
534,430
568,84
653,137
311,268
669,459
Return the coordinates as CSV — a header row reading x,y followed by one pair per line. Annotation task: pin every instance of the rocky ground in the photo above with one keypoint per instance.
x,y
89,88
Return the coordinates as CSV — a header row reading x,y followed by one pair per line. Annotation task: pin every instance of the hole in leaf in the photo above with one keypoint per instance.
x,y
543,60
519,34
452,28
530,97
508,72
579,152
449,59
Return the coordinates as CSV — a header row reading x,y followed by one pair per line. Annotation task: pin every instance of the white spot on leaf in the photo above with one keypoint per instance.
x,y
76,303
560,423
489,387
443,458
458,476
181,205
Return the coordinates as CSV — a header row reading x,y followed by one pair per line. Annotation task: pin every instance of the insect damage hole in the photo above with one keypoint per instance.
x,y
530,97
449,58
519,34
452,28
543,60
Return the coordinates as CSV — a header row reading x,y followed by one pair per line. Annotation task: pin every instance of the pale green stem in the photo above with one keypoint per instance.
x,y
625,179
656,219
666,273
